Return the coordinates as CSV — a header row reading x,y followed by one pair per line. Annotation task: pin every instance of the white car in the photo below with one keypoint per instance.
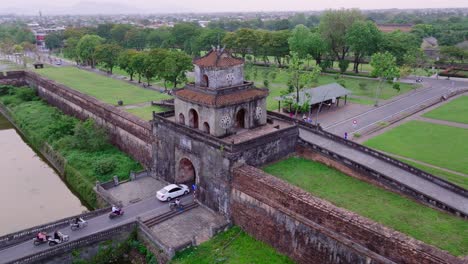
x,y
172,191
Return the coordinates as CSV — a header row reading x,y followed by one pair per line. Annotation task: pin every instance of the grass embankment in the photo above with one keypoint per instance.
x,y
101,87
85,148
231,247
362,87
423,223
443,146
455,111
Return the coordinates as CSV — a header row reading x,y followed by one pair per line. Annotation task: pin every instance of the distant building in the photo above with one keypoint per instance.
x,y
430,46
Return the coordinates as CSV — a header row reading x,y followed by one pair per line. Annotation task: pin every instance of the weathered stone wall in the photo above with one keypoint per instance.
x,y
131,134
311,230
217,76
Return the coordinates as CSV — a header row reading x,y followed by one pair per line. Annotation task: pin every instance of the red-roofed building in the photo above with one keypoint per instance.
x,y
220,102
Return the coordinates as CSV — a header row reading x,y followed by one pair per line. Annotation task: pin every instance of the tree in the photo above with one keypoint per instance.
x,y
207,39
399,44
158,38
70,50
334,26
277,44
175,66
453,53
183,34
86,48
299,41
118,32
124,62
385,68
318,47
104,30
153,63
298,78
108,54
135,39
364,39
137,63
53,41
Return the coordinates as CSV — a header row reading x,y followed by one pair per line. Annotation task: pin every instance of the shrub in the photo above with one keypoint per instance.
x,y
343,65
326,64
266,83
105,166
26,94
89,137
396,86
6,89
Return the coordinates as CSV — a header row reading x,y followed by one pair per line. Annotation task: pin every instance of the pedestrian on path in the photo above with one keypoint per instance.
x,y
346,135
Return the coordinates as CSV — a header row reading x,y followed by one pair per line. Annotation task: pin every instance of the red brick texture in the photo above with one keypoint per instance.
x,y
311,230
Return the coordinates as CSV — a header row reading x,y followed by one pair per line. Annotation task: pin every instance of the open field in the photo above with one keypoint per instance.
x,y
443,146
231,247
103,88
421,222
279,83
455,111
146,112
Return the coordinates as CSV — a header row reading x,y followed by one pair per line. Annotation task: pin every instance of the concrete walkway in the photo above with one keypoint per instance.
x,y
417,183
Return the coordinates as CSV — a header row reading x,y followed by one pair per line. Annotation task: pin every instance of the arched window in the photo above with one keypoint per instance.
x,y
206,81
240,118
181,119
193,118
206,127
186,173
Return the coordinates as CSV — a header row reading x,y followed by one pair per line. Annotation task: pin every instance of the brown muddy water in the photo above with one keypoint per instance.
x,y
31,192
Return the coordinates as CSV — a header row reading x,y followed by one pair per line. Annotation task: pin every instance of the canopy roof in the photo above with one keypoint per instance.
x,y
318,94
218,57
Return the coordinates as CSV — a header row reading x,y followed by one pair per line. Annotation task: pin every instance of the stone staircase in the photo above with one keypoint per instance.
x,y
163,217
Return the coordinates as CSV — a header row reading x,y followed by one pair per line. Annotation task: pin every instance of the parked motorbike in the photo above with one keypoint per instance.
x,y
81,224
39,241
58,240
116,214
173,206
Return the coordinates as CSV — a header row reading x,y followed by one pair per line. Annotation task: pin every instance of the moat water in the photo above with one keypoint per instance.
x,y
31,192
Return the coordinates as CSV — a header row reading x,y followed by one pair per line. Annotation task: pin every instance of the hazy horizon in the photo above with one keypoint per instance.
x,y
55,7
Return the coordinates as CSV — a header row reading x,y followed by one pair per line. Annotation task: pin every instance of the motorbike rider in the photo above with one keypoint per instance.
x,y
57,235
42,236
78,220
115,210
177,203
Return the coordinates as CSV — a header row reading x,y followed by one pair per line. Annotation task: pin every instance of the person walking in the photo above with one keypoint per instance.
x,y
346,135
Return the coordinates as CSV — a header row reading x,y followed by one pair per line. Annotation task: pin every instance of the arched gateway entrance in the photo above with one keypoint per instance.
x,y
186,172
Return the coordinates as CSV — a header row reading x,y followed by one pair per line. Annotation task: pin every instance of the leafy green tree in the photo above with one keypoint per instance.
x,y
108,55
135,39
159,38
453,53
104,30
318,47
423,30
299,41
399,44
297,77
184,34
334,26
118,33
343,65
124,62
153,63
364,39
86,48
175,66
53,41
275,43
207,39
385,68
70,49
137,63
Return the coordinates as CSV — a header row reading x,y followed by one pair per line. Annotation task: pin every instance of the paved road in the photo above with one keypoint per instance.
x,y
432,89
144,208
417,183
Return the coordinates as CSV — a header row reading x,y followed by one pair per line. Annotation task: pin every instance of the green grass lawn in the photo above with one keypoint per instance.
x,y
146,112
103,88
279,83
455,111
443,146
231,247
421,222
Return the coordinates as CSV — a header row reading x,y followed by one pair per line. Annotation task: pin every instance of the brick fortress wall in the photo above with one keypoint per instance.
x,y
311,230
129,133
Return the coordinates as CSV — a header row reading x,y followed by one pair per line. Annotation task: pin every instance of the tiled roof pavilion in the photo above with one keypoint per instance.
x,y
219,58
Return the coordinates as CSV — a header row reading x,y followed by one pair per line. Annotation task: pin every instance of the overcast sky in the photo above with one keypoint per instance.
x,y
228,5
